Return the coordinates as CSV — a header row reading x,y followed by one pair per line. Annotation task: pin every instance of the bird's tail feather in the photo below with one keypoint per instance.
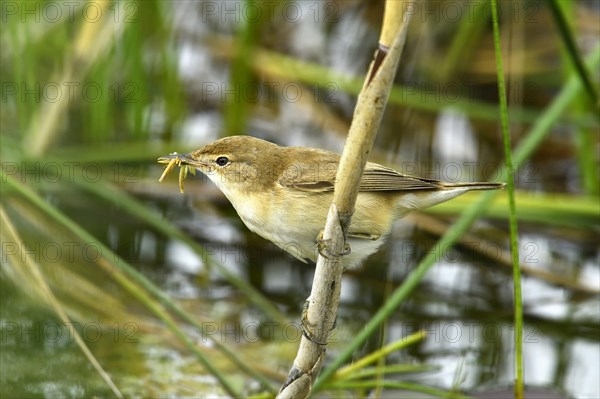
x,y
475,185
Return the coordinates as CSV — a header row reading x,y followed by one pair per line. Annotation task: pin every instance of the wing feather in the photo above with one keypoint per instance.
x,y
320,176
380,178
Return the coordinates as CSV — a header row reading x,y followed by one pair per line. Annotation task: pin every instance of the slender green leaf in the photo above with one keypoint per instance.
x,y
512,215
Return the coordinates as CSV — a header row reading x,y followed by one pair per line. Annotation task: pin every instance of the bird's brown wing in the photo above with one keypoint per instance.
x,y
315,171
380,178
320,176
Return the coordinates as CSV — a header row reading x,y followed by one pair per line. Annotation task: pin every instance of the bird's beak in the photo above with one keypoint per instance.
x,y
181,159
186,163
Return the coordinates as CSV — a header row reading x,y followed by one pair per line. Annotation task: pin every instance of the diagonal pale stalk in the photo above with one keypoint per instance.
x,y
92,298
532,140
512,215
93,38
123,273
12,236
325,294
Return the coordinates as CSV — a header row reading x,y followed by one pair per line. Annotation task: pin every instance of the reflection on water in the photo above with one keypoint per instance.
x,y
464,304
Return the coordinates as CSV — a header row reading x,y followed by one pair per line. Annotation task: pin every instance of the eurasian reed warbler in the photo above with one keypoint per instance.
x,y
284,193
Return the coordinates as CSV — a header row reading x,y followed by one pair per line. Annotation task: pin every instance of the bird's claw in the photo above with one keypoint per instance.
x,y
324,247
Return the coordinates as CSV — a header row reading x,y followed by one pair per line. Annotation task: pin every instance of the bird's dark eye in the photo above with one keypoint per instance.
x,y
222,161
